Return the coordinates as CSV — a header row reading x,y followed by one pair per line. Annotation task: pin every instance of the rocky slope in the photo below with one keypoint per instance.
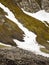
x,y
40,29
16,56
33,5
10,31
28,5
45,5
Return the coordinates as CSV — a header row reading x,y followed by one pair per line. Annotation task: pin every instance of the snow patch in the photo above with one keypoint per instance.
x,y
30,42
41,15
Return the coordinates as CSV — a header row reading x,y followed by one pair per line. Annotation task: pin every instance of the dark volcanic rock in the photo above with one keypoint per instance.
x,y
16,56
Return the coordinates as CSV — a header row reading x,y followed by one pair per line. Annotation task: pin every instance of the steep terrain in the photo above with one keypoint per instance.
x,y
34,25
16,56
45,5
9,29
29,5
33,5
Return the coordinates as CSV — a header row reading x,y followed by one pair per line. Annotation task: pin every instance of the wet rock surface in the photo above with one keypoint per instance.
x,y
16,56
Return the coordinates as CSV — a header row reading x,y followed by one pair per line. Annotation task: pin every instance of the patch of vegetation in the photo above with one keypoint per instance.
x,y
9,30
44,50
2,12
34,25
2,46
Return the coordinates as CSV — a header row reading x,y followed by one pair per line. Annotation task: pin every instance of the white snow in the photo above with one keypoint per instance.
x,y
29,43
41,15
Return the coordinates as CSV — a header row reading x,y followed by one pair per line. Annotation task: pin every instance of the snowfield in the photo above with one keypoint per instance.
x,y
30,42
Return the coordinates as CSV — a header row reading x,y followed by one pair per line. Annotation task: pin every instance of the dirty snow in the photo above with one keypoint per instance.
x,y
30,42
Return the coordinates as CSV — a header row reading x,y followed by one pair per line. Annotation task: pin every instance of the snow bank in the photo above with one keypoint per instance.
x,y
29,43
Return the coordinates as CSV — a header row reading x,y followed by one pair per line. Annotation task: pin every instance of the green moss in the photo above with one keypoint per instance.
x,y
44,50
8,31
34,25
2,46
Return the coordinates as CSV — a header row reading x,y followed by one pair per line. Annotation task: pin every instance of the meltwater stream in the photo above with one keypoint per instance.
x,y
29,43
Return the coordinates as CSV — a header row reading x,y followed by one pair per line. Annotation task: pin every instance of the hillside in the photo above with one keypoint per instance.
x,y
33,5
19,29
9,30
